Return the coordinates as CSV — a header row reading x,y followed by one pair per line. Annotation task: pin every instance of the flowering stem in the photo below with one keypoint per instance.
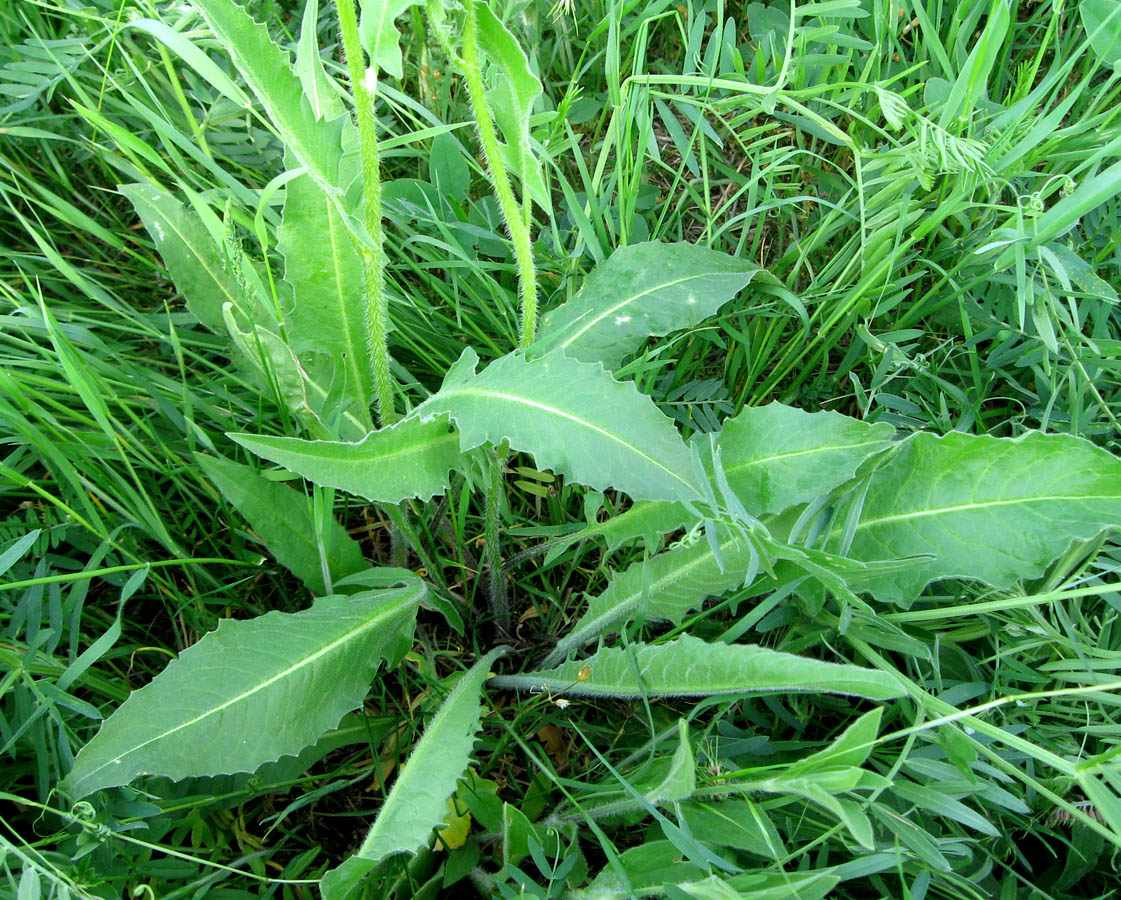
x,y
371,252
517,221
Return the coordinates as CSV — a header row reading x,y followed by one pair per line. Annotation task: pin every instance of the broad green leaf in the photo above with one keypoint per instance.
x,y
573,417
194,261
513,91
249,692
642,290
763,886
283,519
991,509
1102,21
379,35
417,802
647,867
737,822
664,587
407,460
936,801
327,326
268,71
690,667
777,456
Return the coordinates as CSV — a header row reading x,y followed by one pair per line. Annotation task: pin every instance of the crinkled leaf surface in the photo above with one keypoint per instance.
x,y
283,519
642,290
417,803
194,261
776,456
991,509
573,417
690,667
249,692
327,327
409,459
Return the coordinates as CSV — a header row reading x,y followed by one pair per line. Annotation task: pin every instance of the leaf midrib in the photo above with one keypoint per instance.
x,y
377,619
987,504
610,311
591,426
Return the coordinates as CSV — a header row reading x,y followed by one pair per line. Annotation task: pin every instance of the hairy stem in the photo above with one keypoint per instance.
x,y
372,253
517,220
496,575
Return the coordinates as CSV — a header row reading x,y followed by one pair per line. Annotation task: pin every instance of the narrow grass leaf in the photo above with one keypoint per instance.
x,y
249,692
283,519
990,509
690,667
643,290
573,417
417,802
411,459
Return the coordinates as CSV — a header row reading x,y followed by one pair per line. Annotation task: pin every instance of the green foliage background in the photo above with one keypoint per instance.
x,y
923,191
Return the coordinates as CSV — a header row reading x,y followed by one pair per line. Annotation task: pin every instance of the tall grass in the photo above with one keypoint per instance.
x,y
915,188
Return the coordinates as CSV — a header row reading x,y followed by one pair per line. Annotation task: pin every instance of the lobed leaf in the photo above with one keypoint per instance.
x,y
991,509
249,692
664,587
643,290
417,802
573,417
379,36
410,459
690,667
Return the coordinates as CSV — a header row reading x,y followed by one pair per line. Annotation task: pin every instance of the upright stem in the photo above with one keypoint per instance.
x,y
373,265
517,224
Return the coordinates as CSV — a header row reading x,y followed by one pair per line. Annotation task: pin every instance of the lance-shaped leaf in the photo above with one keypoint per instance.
x,y
417,802
690,667
379,35
991,509
642,290
283,519
327,326
776,456
249,692
664,587
573,417
409,459
316,143
193,259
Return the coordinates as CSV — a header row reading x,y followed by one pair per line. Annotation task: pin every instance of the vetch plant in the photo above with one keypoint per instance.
x,y
843,514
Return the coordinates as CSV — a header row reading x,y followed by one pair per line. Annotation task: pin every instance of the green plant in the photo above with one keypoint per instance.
x,y
818,508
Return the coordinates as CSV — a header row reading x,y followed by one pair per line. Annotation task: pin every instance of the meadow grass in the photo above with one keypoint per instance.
x,y
917,149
